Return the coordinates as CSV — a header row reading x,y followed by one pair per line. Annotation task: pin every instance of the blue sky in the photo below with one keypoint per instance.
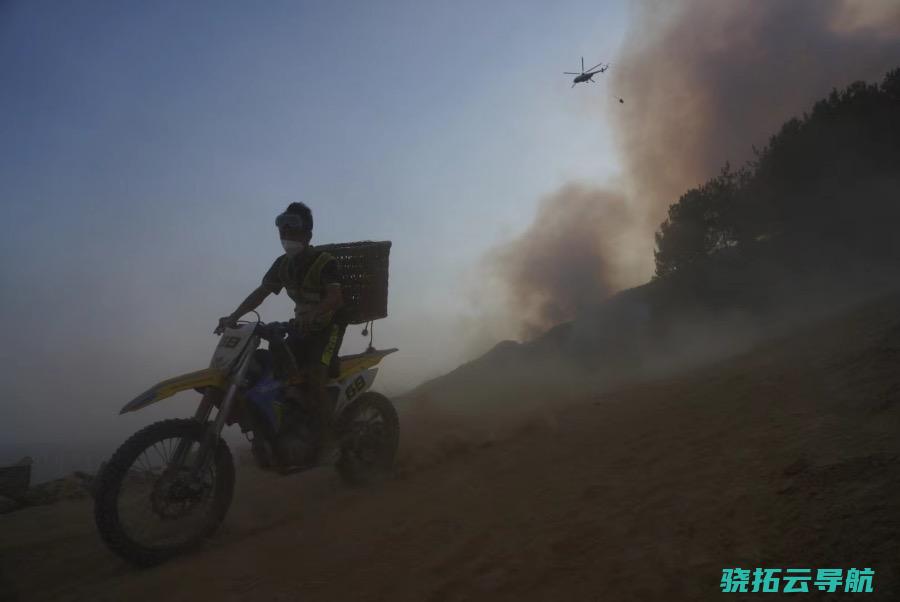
x,y
145,149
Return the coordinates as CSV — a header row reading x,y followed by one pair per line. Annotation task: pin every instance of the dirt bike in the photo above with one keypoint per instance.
x,y
169,485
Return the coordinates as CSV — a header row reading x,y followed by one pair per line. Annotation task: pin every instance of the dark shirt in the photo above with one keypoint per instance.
x,y
273,283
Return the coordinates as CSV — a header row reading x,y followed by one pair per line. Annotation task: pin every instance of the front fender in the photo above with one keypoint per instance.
x,y
192,380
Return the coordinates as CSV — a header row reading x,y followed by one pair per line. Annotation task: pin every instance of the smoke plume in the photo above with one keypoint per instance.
x,y
703,83
572,246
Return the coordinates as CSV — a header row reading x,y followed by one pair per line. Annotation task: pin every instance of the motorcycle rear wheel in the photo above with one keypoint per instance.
x,y
171,494
370,433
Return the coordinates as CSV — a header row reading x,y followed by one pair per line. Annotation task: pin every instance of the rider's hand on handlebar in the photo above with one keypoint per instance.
x,y
225,322
273,330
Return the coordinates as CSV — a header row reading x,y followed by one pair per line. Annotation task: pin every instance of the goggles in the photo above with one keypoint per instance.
x,y
290,221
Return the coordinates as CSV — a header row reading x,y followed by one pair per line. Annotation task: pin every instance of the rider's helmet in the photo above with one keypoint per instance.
x,y
295,227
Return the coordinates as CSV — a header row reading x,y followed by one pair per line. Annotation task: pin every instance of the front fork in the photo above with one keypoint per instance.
x,y
214,429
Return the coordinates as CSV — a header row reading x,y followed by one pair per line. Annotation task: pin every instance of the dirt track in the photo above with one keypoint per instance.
x,y
787,456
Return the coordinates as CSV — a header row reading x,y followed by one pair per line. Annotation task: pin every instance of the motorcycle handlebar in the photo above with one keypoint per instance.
x,y
274,330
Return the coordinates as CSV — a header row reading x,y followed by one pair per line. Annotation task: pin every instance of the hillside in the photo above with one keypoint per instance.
x,y
784,455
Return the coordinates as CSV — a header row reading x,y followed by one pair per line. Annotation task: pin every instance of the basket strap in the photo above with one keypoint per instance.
x,y
312,279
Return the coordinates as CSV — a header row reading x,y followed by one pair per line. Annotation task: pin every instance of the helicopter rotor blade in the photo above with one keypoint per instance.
x,y
582,64
595,66
571,73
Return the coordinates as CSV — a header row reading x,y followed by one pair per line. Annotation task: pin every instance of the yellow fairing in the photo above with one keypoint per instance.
x,y
210,377
352,364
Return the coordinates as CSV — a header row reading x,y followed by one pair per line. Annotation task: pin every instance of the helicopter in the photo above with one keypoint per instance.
x,y
586,76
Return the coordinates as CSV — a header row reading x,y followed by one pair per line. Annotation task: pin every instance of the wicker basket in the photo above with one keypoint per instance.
x,y
364,279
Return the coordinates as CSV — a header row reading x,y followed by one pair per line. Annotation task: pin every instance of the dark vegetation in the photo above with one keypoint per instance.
x,y
820,201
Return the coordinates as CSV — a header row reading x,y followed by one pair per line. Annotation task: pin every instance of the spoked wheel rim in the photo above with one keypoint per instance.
x,y
159,505
367,437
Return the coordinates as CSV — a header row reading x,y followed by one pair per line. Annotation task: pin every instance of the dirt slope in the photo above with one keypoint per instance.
x,y
788,455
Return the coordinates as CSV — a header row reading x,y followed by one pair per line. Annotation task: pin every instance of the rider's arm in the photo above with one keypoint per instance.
x,y
332,299
271,285
331,281
252,301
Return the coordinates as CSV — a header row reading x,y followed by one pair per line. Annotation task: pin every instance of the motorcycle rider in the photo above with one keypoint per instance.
x,y
312,280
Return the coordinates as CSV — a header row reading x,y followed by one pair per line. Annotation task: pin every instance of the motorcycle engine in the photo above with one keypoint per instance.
x,y
295,443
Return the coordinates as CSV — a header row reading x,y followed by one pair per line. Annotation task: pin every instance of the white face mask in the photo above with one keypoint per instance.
x,y
292,247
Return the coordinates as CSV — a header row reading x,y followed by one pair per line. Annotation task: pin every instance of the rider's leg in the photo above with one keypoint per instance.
x,y
295,366
318,376
315,354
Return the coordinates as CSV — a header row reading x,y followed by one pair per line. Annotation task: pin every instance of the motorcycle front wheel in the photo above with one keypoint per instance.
x,y
147,507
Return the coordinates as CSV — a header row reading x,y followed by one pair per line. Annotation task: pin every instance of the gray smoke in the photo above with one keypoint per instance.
x,y
704,82
570,247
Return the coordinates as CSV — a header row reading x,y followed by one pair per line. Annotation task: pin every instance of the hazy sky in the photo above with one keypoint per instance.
x,y
145,148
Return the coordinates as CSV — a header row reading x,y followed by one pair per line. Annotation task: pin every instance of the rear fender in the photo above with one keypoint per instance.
x,y
351,387
210,377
